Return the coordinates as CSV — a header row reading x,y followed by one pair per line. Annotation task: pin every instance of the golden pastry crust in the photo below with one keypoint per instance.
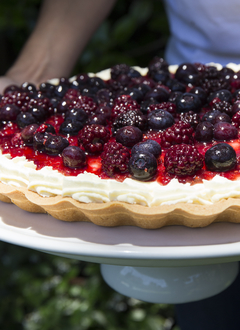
x,y
122,214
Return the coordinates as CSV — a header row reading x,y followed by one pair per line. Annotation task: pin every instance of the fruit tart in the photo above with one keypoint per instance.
x,y
147,147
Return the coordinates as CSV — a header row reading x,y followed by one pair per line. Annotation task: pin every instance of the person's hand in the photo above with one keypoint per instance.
x,y
5,82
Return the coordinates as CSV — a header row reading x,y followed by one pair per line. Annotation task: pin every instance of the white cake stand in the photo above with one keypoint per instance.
x,y
168,265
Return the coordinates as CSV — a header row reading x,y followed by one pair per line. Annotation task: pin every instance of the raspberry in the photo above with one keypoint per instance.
x,y
183,160
180,132
93,137
20,99
115,158
130,118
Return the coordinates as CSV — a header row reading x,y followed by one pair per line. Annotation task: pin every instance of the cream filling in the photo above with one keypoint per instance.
x,y
89,188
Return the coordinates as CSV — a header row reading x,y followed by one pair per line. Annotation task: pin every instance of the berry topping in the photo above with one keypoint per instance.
x,y
148,146
93,137
115,158
183,160
180,132
224,131
220,158
129,135
159,119
73,157
142,166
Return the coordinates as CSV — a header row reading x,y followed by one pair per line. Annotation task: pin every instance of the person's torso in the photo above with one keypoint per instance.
x,y
203,31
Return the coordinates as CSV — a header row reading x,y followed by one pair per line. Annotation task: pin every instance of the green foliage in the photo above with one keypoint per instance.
x,y
43,292
134,32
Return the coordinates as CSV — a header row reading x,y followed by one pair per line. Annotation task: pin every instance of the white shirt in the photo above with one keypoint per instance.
x,y
203,31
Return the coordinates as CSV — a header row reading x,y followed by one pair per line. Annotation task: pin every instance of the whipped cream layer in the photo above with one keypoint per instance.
x,y
89,188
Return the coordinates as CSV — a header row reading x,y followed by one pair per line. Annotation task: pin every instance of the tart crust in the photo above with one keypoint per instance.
x,y
113,214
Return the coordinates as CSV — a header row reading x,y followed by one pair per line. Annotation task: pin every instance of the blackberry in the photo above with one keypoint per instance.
x,y
122,104
130,118
42,102
142,166
183,159
179,133
222,106
167,106
189,117
93,137
158,64
214,85
74,100
115,158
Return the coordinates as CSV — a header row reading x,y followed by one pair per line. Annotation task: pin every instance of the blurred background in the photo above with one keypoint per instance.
x,y
43,292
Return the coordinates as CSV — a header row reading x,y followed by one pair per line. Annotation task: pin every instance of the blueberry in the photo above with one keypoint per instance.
x,y
220,158
99,119
73,157
235,107
222,117
174,96
9,112
188,102
39,140
60,90
223,95
211,115
129,135
28,133
29,88
38,112
150,146
159,93
224,131
187,73
104,110
55,144
70,127
25,119
104,95
47,89
200,92
176,86
204,131
160,76
142,166
160,119
77,114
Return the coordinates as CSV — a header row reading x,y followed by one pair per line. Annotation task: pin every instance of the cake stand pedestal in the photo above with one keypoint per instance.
x,y
168,265
170,285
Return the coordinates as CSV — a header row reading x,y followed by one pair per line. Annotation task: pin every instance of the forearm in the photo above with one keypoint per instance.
x,y
61,33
